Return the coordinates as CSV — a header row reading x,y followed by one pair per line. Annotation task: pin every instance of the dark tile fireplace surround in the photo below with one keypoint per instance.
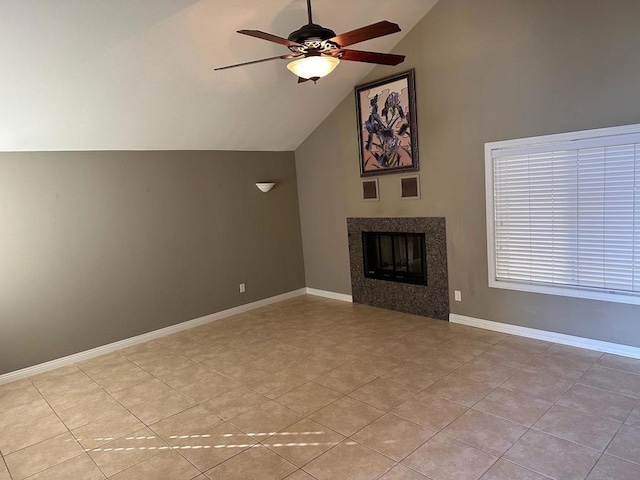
x,y
430,300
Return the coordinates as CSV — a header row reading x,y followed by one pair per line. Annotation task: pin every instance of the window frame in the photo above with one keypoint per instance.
x,y
550,141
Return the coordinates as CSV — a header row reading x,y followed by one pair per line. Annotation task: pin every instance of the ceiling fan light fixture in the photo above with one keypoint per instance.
x,y
313,67
318,50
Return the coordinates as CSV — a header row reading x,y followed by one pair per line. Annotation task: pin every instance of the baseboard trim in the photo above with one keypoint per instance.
x,y
145,337
327,294
581,342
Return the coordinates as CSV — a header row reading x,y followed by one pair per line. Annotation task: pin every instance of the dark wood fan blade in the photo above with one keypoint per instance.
x,y
257,61
269,37
370,57
302,80
374,30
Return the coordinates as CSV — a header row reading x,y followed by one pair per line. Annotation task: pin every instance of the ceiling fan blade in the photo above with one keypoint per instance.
x,y
257,61
374,30
302,80
370,57
269,37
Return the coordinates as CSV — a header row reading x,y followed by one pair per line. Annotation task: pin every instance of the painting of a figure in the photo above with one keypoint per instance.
x,y
387,130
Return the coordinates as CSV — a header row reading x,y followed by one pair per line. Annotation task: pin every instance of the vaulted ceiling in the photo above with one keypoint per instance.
x,y
138,74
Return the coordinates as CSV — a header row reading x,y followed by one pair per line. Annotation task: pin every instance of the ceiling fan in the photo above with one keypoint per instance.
x,y
317,51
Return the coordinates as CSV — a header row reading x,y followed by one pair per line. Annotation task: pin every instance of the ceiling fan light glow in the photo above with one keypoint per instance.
x,y
314,66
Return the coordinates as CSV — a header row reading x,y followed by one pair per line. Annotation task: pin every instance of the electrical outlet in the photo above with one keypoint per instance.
x,y
242,288
458,295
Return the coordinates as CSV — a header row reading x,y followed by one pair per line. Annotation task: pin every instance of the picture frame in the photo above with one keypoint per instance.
x,y
388,125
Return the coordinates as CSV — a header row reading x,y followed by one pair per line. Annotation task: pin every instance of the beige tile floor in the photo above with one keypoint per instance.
x,y
312,388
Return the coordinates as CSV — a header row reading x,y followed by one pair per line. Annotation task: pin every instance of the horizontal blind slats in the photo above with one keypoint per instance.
x,y
569,213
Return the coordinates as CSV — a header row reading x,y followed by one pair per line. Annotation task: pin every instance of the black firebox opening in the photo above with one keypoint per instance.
x,y
399,257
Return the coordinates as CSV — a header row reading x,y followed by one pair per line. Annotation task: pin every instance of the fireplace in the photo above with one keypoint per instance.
x,y
395,256
400,264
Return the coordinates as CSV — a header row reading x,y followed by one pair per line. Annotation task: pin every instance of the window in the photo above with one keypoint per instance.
x,y
563,214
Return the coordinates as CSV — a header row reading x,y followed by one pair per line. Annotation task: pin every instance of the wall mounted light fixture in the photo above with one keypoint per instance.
x,y
265,186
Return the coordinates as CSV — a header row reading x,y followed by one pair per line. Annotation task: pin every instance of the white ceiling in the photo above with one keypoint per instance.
x,y
138,74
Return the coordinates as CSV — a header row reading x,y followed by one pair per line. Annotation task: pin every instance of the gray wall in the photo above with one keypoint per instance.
x,y
486,70
96,247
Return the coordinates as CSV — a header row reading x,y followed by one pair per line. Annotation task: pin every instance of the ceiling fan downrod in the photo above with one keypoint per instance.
x,y
311,35
309,12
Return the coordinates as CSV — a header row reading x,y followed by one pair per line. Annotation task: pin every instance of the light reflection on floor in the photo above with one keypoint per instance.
x,y
197,447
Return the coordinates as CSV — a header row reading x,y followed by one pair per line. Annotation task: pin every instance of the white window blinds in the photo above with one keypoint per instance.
x,y
564,214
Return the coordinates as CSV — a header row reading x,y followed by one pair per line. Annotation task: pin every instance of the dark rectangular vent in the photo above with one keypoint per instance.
x,y
398,257
370,189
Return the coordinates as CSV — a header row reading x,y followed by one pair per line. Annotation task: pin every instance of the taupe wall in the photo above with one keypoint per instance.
x,y
96,247
486,70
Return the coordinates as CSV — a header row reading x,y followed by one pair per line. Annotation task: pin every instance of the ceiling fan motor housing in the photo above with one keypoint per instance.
x,y
313,37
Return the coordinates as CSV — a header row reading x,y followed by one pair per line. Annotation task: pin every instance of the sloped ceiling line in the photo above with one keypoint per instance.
x,y
138,75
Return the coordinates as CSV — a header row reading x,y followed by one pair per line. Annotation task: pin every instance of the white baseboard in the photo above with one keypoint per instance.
x,y
581,342
128,342
325,293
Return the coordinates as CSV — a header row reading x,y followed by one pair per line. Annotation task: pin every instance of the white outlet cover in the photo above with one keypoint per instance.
x,y
458,295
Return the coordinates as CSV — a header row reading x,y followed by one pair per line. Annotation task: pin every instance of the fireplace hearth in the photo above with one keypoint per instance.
x,y
400,264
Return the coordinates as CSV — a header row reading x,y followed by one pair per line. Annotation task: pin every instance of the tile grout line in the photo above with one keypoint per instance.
x,y
636,399
520,465
546,411
617,369
149,426
255,445
518,370
132,414
308,417
413,396
623,459
604,451
258,442
441,431
68,429
65,426
567,440
6,466
117,401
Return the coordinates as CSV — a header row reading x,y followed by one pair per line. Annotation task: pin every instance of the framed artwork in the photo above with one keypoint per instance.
x,y
387,125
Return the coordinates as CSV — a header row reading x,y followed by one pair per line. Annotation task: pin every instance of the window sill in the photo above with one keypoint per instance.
x,y
582,293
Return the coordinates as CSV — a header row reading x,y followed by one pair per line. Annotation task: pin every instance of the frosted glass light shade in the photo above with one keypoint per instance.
x,y
265,186
313,67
